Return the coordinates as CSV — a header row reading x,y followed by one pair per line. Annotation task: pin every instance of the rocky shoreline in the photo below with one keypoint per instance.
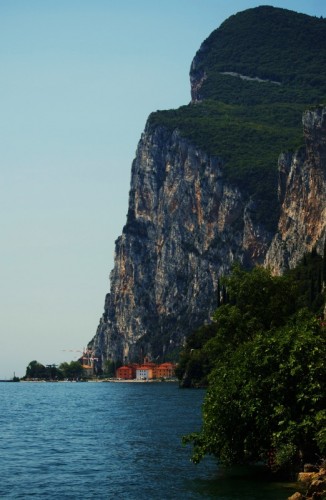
x,y
313,480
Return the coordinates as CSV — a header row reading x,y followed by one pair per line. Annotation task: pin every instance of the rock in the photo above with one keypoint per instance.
x,y
185,228
316,486
316,482
296,496
302,192
305,477
187,225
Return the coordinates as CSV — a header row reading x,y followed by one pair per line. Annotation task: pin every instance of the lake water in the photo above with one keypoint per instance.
x,y
110,441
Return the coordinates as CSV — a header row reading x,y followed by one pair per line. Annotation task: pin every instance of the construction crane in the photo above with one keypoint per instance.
x,y
87,358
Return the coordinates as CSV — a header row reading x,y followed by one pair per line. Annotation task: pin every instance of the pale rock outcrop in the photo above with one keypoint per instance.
x,y
186,226
302,195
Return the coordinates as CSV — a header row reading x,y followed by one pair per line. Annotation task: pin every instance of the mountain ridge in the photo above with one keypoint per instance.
x,y
265,42
214,182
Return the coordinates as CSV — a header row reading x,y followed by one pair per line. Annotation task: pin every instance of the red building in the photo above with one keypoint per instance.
x,y
165,370
124,372
147,371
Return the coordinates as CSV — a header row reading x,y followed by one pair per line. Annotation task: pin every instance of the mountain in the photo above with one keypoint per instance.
x,y
236,175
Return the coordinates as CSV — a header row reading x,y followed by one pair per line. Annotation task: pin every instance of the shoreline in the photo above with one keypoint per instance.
x,y
110,381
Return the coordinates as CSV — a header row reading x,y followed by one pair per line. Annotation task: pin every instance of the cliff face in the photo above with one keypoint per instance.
x,y
185,227
302,196
188,218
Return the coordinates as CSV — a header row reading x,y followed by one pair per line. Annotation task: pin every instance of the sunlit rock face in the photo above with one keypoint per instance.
x,y
187,224
302,196
185,228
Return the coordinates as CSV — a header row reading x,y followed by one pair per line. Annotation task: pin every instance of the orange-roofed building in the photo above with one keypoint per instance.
x,y
124,372
150,364
165,370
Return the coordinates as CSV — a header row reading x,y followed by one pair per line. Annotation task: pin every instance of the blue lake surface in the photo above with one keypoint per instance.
x,y
110,441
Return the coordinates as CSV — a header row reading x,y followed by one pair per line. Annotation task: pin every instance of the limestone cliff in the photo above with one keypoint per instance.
x,y
185,227
198,195
302,195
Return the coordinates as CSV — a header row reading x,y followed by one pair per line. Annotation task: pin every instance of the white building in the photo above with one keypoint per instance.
x,y
144,373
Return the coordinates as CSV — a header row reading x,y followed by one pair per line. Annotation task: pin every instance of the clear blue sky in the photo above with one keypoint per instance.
x,y
78,79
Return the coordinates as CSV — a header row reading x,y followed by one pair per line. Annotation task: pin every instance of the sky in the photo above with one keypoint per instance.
x,y
78,79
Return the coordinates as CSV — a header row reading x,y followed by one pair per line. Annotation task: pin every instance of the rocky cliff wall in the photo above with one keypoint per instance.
x,y
185,227
186,223
302,197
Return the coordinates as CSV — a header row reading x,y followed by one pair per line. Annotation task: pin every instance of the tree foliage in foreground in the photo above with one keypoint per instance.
x,y
264,360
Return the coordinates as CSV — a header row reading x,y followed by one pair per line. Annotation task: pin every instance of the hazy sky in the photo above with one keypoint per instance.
x,y
78,79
